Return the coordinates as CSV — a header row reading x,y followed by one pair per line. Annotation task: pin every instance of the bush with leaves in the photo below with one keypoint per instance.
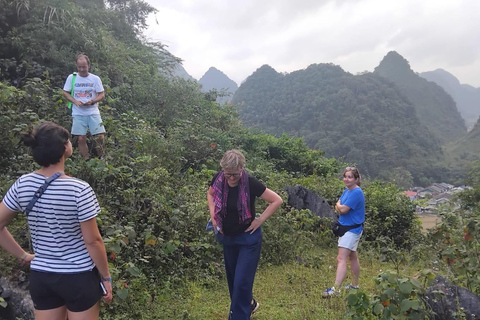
x,y
395,297
389,213
456,241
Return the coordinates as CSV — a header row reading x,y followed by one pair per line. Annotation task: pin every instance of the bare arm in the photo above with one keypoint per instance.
x,y
100,97
69,97
341,208
96,248
211,208
6,239
274,200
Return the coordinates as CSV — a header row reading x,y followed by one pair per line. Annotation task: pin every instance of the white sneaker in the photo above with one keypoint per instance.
x,y
331,292
350,286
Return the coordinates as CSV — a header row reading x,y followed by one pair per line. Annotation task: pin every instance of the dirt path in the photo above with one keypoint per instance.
x,y
428,220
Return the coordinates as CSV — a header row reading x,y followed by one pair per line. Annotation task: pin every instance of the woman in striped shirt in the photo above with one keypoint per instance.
x,y
69,268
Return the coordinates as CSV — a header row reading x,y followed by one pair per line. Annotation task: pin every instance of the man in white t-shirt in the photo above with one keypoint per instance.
x,y
87,92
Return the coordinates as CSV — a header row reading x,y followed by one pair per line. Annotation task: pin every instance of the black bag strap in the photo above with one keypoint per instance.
x,y
354,226
40,191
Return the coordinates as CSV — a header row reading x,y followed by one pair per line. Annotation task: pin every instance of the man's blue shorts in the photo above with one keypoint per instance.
x,y
93,122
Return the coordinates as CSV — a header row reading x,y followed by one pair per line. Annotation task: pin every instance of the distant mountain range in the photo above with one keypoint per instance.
x,y
389,119
215,79
466,97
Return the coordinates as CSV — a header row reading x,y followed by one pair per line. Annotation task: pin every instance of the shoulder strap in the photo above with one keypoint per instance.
x,y
355,226
74,75
73,80
40,191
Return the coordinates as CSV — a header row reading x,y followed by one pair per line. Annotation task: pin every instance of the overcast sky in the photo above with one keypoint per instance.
x,y
238,37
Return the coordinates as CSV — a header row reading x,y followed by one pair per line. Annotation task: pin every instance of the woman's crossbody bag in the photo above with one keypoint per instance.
x,y
40,191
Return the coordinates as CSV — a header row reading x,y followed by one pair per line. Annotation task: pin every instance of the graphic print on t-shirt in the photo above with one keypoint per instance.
x,y
83,93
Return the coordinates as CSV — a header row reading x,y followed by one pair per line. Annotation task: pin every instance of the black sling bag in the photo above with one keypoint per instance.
x,y
40,191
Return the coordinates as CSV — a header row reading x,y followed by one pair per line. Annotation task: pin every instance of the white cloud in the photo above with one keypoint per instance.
x,y
238,37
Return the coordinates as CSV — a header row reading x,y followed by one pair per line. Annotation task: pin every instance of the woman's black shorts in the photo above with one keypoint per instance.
x,y
78,291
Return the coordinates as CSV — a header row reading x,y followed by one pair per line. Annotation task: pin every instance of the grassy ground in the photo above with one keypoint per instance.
x,y
288,292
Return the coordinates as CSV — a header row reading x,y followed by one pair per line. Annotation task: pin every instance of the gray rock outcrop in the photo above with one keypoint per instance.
x,y
300,198
17,296
449,301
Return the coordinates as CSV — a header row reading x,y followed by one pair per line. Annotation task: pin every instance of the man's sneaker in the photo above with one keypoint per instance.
x,y
350,287
254,307
330,292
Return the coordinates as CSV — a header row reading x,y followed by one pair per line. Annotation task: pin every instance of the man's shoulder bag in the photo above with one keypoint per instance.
x,y
68,109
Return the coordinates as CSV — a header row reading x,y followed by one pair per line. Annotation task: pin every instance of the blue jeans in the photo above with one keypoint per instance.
x,y
241,254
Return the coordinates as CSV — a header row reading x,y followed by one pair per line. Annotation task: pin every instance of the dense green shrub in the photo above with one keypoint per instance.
x,y
390,214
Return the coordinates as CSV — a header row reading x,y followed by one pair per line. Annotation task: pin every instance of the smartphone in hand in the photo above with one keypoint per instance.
x,y
103,288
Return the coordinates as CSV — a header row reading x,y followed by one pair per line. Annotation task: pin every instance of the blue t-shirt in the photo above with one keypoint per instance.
x,y
355,200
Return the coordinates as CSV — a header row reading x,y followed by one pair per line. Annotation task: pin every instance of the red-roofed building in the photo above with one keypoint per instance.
x,y
411,194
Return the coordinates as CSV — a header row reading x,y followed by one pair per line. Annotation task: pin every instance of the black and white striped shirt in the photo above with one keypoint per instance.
x,y
55,221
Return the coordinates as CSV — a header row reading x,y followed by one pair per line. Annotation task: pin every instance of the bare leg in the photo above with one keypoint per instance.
x,y
342,259
90,314
51,314
100,144
82,147
355,267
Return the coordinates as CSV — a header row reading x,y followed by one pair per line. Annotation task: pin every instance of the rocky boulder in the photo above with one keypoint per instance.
x,y
300,198
16,295
449,301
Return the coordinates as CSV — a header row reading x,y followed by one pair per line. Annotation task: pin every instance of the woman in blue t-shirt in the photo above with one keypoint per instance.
x,y
231,200
351,210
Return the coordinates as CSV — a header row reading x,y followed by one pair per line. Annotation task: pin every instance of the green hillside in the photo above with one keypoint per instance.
x,y
435,108
163,145
462,153
466,97
363,119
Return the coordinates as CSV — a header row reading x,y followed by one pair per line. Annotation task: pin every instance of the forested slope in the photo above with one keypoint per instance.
x,y
466,150
164,142
435,108
363,119
466,97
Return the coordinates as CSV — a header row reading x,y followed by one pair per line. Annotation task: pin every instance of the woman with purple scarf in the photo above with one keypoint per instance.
x,y
231,200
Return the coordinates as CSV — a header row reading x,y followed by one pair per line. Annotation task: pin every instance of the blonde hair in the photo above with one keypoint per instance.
x,y
356,174
233,159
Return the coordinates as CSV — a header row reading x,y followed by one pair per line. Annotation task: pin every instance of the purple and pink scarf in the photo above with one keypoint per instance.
x,y
220,196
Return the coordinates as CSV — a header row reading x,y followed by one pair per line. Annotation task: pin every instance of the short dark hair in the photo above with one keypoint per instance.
x,y
47,142
83,56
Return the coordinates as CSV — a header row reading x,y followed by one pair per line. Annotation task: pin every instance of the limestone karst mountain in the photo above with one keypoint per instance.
x,y
365,119
435,108
215,79
466,96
